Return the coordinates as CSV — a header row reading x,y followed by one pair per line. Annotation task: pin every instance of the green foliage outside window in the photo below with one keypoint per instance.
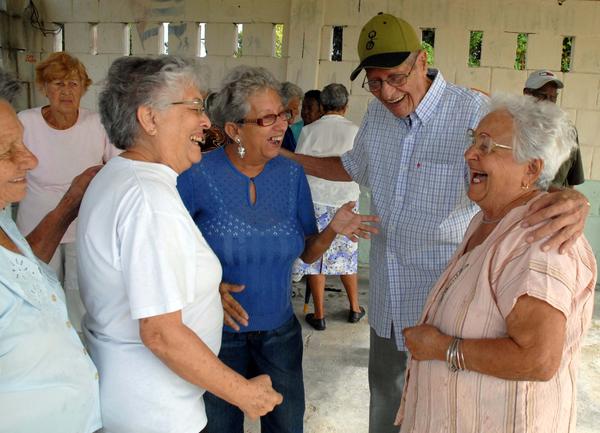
x,y
475,49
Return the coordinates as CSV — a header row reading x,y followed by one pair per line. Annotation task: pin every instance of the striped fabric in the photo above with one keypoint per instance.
x,y
474,304
417,175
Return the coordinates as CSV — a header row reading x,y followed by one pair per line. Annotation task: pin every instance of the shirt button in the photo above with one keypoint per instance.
x,y
68,323
53,297
96,376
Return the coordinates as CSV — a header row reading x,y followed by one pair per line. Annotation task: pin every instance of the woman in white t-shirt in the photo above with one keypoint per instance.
x,y
66,139
149,280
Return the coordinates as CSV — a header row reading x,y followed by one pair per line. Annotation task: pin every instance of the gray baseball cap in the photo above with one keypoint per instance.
x,y
541,77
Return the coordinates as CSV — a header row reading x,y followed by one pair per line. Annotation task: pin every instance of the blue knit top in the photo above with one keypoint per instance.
x,y
256,243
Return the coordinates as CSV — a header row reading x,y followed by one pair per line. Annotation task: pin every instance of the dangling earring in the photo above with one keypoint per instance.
x,y
525,186
241,150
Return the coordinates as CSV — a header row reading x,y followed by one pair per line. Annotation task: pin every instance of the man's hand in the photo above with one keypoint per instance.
x,y
353,225
233,311
563,214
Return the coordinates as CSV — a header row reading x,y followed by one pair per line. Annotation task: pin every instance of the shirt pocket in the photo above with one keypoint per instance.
x,y
434,188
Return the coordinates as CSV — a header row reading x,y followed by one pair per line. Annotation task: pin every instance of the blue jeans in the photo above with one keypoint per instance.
x,y
277,353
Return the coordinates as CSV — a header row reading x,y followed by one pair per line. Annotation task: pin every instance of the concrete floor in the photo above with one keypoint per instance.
x,y
335,369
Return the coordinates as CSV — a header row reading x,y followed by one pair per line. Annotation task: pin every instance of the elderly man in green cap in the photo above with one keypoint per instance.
x,y
409,152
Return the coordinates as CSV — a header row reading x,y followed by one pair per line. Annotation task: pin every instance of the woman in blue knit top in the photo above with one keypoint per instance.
x,y
255,210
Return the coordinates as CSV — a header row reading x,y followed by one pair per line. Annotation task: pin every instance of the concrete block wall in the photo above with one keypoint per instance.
x,y
307,43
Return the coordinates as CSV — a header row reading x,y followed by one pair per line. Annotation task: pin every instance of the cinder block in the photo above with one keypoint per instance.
x,y
451,50
114,11
480,14
304,35
350,43
498,49
302,73
26,63
475,78
77,38
508,80
272,11
586,54
145,38
572,113
335,72
431,13
90,99
48,43
86,10
213,68
587,155
326,43
96,65
111,38
57,11
16,34
519,16
356,88
544,51
340,12
575,18
197,10
278,67
581,90
232,62
183,38
228,11
220,39
357,107
588,127
258,39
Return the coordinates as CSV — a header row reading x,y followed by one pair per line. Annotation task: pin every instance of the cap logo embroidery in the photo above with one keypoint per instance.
x,y
371,43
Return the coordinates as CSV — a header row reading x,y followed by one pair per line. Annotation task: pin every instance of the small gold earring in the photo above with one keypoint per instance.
x,y
525,186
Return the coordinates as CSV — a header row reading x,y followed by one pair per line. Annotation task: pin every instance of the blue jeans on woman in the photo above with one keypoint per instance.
x,y
277,353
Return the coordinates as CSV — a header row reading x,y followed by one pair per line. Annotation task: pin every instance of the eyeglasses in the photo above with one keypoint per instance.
x,y
394,80
196,104
483,143
269,119
541,96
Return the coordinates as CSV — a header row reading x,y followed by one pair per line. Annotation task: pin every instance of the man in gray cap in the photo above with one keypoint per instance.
x,y
409,152
543,85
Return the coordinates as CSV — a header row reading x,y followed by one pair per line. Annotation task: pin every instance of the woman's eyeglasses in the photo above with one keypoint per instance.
x,y
269,119
483,143
196,104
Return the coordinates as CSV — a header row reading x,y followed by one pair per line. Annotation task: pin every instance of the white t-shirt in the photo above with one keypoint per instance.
x,y
331,135
62,155
141,255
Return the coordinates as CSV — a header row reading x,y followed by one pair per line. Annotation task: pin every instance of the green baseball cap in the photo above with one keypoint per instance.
x,y
385,42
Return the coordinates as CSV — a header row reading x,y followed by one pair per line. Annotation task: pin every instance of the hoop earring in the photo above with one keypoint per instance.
x,y
241,150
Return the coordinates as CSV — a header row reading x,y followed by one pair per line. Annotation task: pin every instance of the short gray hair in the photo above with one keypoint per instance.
x,y
10,87
334,97
231,103
136,81
541,131
290,90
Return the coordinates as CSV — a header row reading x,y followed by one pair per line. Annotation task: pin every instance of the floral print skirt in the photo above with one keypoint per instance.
x,y
340,259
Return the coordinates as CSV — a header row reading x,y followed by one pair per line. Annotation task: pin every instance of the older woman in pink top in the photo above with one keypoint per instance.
x,y
66,139
497,345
